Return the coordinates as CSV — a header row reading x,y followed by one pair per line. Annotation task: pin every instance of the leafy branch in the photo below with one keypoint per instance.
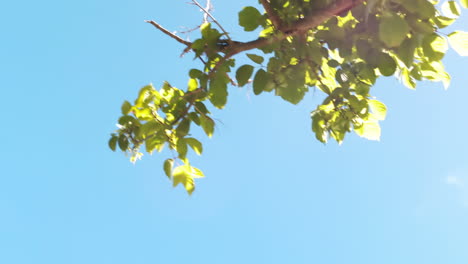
x,y
340,47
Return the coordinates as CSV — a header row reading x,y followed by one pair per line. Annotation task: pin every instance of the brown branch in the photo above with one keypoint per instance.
x,y
271,14
167,32
296,28
323,15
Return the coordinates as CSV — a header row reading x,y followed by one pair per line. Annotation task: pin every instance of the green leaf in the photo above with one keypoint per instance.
x,y
386,64
370,130
425,9
127,120
194,117
434,47
378,109
183,128
123,142
407,79
201,108
149,128
243,74
459,42
154,143
260,81
113,142
218,92
424,27
181,148
207,124
249,18
255,58
406,51
195,145
195,74
126,107
168,164
211,35
393,29
443,22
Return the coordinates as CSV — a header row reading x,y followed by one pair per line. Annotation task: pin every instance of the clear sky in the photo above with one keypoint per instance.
x,y
272,194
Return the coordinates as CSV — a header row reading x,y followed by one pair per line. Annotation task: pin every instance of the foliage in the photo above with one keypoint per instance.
x,y
340,47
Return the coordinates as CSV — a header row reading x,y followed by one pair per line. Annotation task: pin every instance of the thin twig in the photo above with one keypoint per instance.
x,y
167,32
271,14
211,16
208,8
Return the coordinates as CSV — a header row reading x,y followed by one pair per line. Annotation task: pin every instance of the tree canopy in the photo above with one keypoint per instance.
x,y
341,47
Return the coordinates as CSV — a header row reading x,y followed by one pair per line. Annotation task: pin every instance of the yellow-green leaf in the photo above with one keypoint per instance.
x,y
464,3
451,9
459,42
168,164
195,145
434,47
192,84
369,130
378,109
207,124
180,175
393,30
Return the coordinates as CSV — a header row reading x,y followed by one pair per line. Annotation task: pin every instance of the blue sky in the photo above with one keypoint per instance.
x,y
272,194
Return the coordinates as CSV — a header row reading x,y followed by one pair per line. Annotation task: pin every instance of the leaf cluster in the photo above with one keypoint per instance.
x,y
340,47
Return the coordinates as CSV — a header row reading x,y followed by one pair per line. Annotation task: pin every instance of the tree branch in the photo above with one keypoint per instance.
x,y
214,19
323,15
296,28
271,14
167,32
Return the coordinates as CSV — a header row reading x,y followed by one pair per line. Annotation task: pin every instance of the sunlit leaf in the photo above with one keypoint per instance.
x,y
192,84
451,9
369,130
208,125
464,3
180,175
459,42
195,145
378,109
